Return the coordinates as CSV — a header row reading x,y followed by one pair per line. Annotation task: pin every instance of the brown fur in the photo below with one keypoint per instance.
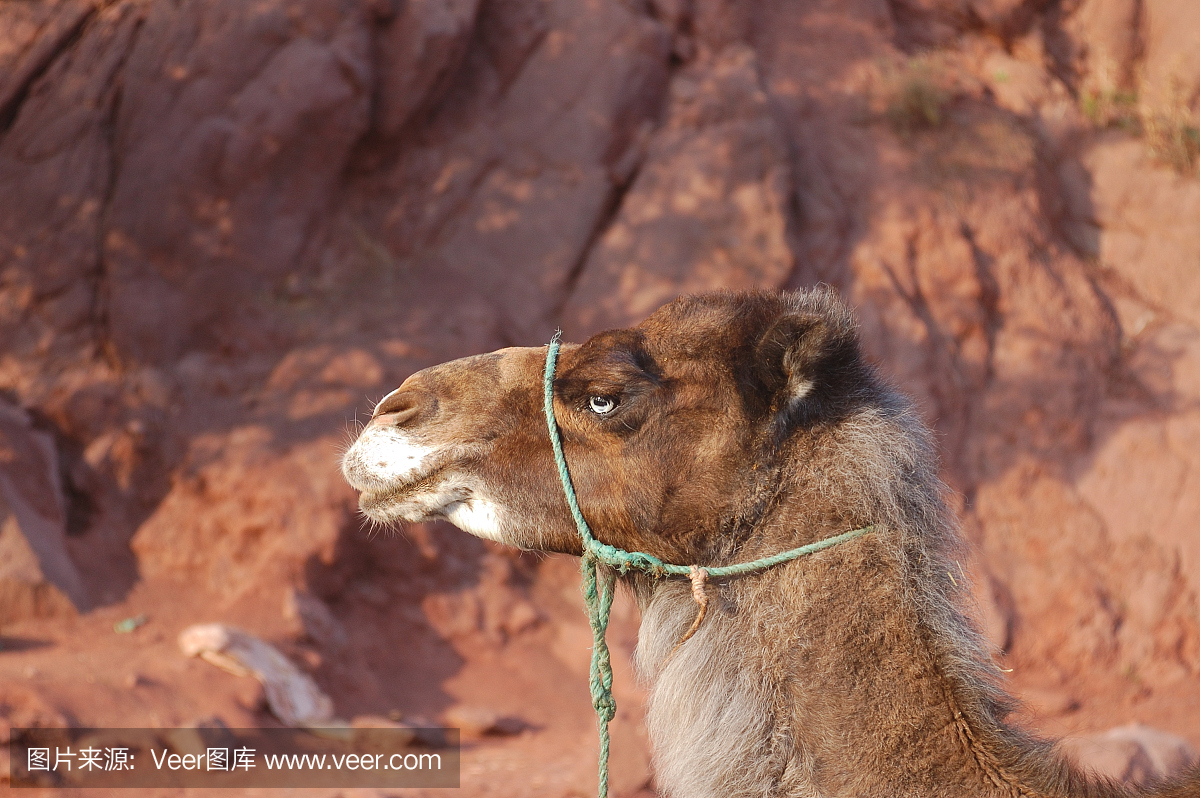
x,y
745,424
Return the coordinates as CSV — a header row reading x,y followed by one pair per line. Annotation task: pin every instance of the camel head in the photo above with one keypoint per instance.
x,y
672,429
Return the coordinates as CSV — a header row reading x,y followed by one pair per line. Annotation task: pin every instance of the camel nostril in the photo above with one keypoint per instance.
x,y
401,407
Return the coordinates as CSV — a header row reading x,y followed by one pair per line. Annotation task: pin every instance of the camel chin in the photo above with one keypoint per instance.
x,y
461,506
400,480
478,516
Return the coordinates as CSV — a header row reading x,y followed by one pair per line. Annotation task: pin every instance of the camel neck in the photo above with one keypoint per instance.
x,y
814,678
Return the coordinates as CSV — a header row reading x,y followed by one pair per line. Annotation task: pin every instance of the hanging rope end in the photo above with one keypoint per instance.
x,y
699,578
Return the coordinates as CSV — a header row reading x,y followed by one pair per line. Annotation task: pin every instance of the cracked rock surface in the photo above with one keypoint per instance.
x,y
226,228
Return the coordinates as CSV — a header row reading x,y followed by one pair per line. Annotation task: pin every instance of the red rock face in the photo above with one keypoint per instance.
x,y
227,228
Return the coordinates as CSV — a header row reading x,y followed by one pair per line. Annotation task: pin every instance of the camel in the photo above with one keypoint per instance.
x,y
723,428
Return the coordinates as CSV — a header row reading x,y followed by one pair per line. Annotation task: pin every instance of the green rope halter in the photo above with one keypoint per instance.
x,y
598,597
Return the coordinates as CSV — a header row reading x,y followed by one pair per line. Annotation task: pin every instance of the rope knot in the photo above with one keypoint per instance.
x,y
699,577
606,707
624,561
646,562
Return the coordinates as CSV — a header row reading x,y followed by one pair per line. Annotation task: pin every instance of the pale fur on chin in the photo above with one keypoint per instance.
x,y
478,516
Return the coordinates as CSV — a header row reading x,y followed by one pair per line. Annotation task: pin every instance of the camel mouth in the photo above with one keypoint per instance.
x,y
403,477
399,478
468,509
429,496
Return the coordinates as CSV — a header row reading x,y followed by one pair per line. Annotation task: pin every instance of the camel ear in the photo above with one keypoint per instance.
x,y
790,355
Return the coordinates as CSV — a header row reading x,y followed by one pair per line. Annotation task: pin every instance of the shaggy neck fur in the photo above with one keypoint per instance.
x,y
847,673
793,688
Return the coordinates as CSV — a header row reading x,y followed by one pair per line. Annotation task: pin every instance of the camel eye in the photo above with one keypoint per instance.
x,y
602,405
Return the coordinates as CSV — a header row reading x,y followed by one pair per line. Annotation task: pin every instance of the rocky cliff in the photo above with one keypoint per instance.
x,y
226,228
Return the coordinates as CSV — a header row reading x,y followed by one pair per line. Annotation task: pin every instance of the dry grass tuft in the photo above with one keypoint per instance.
x,y
1106,102
1167,125
914,94
1172,131
1111,108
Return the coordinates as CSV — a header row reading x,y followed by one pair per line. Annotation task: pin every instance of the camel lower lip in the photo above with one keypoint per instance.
x,y
375,503
414,501
370,502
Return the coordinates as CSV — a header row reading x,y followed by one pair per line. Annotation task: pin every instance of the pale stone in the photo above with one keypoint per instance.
x,y
292,695
1134,754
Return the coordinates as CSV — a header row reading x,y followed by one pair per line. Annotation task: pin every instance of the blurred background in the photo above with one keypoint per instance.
x,y
227,228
